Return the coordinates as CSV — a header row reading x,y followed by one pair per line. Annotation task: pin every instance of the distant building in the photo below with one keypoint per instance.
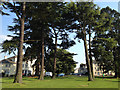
x,y
8,66
99,72
82,69
76,70
96,70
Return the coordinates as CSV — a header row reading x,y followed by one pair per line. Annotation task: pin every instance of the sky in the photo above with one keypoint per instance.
x,y
5,21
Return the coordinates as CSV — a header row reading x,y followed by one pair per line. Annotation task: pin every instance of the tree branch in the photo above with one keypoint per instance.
x,y
31,40
16,12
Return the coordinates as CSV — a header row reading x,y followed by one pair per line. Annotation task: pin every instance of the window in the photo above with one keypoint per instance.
x,y
6,71
25,72
98,73
7,65
95,72
26,65
97,69
29,72
23,65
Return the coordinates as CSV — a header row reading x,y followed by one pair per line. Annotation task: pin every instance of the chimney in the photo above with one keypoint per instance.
x,y
5,57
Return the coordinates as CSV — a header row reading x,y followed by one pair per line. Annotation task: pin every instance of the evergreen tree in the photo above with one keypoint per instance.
x,y
65,63
19,10
105,41
85,17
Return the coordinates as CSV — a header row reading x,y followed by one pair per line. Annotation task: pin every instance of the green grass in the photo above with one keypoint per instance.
x,y
61,82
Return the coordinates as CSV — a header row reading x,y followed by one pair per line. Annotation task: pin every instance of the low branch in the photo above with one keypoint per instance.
x,y
31,40
16,12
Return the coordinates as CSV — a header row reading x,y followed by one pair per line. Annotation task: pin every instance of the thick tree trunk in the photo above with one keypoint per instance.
x,y
116,71
116,74
90,55
119,63
37,69
87,59
119,72
115,61
42,62
54,70
18,76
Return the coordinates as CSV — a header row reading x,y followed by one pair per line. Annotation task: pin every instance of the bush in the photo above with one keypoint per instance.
x,y
3,75
12,75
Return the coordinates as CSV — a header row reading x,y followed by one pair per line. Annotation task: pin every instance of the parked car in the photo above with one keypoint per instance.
x,y
61,75
48,74
75,73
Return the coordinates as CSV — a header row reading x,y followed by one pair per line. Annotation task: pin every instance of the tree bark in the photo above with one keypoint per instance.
x,y
116,73
90,55
18,76
119,72
54,70
42,62
87,58
115,61
37,70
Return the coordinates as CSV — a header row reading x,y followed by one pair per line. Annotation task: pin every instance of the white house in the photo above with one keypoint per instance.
x,y
8,66
96,70
76,70
99,72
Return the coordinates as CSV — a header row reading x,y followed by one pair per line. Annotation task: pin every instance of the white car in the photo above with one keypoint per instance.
x,y
48,73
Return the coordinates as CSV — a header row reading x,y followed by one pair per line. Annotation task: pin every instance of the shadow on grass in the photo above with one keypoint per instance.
x,y
107,77
115,81
81,80
2,82
30,79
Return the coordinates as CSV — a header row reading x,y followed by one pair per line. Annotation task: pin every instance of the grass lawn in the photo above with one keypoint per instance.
x,y
61,82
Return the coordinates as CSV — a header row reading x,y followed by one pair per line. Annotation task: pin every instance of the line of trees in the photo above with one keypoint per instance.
x,y
40,25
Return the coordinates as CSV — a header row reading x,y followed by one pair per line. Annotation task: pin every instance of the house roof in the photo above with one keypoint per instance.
x,y
8,60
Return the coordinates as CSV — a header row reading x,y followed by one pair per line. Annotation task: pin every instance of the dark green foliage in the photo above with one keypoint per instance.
x,y
105,44
10,46
65,63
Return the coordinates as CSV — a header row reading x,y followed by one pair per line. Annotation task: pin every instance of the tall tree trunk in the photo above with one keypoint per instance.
x,y
54,70
115,61
87,58
42,62
37,70
37,67
18,76
116,69
119,71
90,55
116,73
119,52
